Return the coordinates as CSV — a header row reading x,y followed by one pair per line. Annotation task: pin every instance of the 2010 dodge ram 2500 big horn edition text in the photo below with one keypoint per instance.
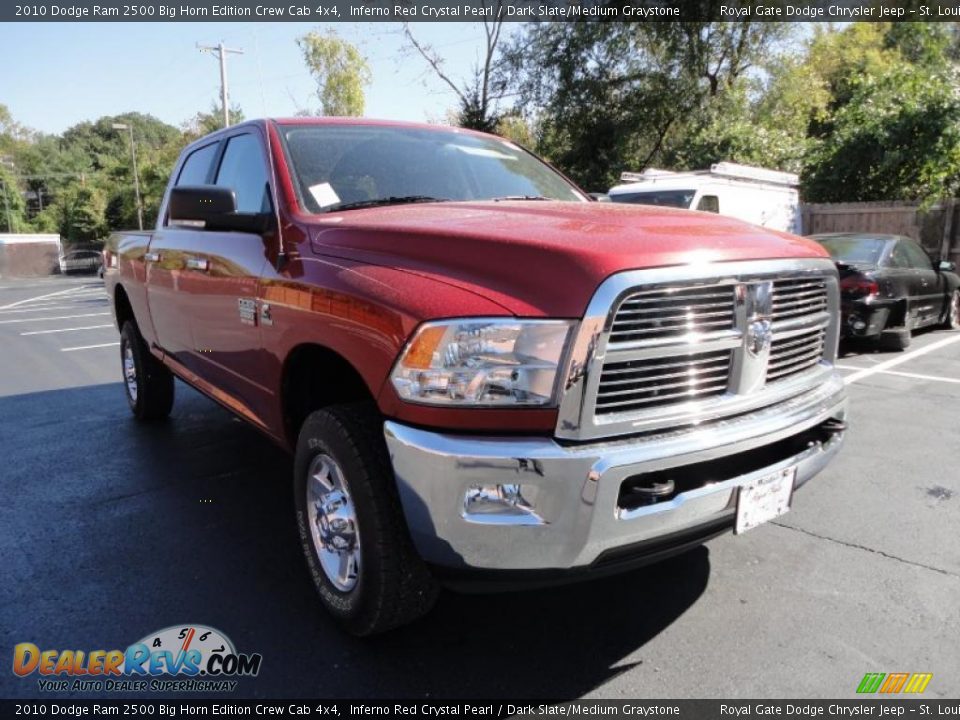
x,y
485,376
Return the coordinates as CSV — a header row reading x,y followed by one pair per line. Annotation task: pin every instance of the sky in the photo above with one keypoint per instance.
x,y
58,74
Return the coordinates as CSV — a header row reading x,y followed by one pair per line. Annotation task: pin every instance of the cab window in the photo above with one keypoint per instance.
x,y
196,168
709,203
244,171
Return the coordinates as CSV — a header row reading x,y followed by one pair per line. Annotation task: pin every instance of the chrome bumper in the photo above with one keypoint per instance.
x,y
565,512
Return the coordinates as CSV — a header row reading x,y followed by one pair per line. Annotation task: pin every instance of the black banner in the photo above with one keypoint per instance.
x,y
472,10
683,709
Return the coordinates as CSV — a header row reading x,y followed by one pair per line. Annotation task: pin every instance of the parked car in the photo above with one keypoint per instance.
x,y
890,286
81,261
484,376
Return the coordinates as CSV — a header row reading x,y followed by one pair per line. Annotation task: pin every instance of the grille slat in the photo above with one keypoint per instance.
x,y
795,354
673,312
796,298
638,384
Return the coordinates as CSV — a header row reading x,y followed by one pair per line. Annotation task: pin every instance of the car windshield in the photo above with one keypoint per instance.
x,y
854,250
668,198
339,167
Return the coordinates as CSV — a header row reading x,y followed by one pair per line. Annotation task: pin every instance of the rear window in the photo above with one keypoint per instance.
x,y
855,250
665,198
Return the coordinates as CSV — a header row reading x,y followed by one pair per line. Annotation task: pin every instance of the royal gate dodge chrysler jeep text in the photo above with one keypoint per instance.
x,y
485,376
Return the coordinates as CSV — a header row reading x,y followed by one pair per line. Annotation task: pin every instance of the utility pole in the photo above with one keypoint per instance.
x,y
136,173
221,51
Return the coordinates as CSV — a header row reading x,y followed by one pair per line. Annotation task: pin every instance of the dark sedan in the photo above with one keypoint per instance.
x,y
890,286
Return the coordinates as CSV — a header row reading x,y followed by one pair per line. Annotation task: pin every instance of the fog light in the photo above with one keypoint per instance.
x,y
498,504
859,324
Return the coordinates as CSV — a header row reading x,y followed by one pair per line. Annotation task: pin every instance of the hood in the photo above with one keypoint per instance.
x,y
539,258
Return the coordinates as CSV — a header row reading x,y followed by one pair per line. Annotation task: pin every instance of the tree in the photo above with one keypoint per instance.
x,y
479,95
204,123
897,137
616,96
340,71
12,210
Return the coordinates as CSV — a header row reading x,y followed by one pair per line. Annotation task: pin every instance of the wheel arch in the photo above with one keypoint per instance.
x,y
122,309
313,377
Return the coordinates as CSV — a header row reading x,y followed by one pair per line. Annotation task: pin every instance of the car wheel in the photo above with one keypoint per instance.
x,y
952,320
895,339
358,550
147,383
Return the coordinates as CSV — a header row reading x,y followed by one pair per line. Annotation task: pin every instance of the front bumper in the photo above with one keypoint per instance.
x,y
861,319
568,513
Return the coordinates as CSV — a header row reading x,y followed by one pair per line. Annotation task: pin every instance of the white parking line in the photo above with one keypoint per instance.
x,y
89,347
61,317
60,330
917,376
45,308
893,362
40,297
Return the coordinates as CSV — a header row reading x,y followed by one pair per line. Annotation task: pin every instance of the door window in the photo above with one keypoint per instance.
x,y
196,168
244,171
898,256
709,203
917,255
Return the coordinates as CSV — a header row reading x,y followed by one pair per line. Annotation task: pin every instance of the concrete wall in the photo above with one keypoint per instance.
x,y
29,255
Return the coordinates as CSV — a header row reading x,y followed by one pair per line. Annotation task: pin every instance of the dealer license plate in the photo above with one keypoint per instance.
x,y
764,498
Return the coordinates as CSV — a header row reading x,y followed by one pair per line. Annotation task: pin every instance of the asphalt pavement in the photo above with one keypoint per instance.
x,y
110,530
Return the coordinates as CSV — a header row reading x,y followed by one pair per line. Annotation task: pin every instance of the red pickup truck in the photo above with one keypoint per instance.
x,y
487,378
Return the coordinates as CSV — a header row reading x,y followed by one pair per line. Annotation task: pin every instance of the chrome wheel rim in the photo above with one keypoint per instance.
x,y
333,523
129,372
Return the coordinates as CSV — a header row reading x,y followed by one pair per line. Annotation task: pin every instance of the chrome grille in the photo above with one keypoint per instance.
x,y
795,353
797,297
647,383
673,312
650,353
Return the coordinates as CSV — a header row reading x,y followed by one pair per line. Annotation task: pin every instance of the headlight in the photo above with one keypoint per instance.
x,y
489,362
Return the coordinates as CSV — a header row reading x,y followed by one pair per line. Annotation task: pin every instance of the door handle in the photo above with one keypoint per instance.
x,y
151,257
198,264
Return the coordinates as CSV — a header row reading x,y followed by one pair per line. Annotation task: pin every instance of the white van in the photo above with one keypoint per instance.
x,y
768,198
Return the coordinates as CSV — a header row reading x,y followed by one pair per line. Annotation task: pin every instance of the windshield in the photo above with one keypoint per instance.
x,y
854,250
668,198
341,166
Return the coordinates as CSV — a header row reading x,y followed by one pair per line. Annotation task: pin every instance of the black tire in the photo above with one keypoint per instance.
x,y
151,396
895,339
951,319
392,586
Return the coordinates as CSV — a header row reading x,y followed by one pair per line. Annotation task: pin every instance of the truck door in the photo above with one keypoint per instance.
x,y
226,268
167,278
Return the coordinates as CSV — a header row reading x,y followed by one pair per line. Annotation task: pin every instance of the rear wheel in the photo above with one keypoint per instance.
x,y
351,526
952,319
147,383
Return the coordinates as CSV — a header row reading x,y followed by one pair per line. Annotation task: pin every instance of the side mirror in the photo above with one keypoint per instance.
x,y
212,207
946,265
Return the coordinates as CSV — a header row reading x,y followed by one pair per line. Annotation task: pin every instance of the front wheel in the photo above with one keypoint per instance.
x,y
952,319
147,383
351,526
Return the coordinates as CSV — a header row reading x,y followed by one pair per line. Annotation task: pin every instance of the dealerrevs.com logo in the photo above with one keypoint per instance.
x,y
180,658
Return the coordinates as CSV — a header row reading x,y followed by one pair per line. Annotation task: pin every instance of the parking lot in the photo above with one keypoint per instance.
x,y
110,530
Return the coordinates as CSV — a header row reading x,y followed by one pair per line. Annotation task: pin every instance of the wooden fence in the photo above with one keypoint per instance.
x,y
936,227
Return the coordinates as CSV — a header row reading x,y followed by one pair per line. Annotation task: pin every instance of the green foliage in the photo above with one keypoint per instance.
x,y
617,96
204,123
340,71
897,137
12,209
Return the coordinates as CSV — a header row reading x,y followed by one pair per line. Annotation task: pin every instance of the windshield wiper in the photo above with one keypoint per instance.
x,y
391,200
520,197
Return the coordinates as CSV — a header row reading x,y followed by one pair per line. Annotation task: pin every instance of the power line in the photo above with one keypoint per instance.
x,y
221,51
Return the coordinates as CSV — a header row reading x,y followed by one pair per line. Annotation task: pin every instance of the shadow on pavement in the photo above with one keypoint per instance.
x,y
112,530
